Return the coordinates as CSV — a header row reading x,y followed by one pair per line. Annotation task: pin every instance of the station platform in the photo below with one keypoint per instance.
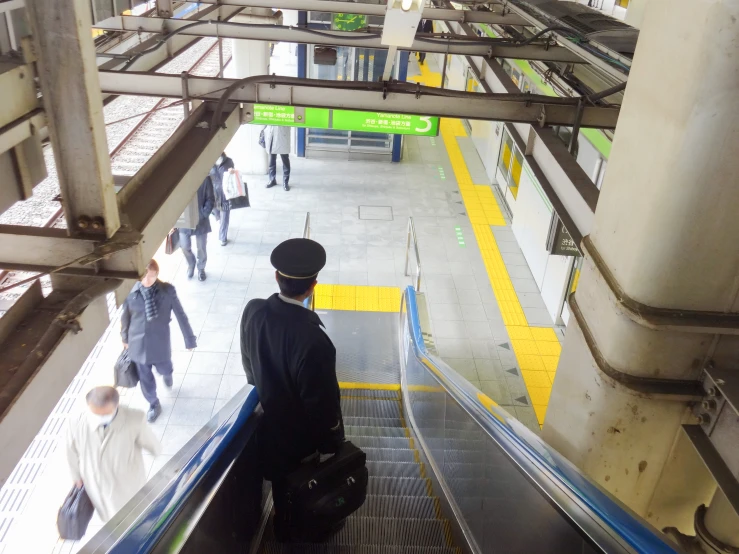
x,y
487,320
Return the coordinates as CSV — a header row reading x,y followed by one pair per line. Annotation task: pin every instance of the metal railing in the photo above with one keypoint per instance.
x,y
310,301
427,380
306,227
412,235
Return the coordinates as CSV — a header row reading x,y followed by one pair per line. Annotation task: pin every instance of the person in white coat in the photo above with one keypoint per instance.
x,y
277,141
104,451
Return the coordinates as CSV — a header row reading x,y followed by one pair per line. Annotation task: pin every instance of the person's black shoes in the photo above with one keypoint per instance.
x,y
285,184
190,272
154,412
271,184
201,275
224,242
168,381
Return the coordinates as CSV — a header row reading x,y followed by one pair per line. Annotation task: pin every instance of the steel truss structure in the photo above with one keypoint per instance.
x,y
111,236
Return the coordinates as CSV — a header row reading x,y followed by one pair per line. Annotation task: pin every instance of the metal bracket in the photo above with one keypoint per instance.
x,y
542,119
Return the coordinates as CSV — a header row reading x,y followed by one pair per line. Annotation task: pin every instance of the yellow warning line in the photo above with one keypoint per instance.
x,y
357,298
369,386
536,348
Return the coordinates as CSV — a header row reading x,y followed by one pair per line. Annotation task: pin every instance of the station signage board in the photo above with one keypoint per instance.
x,y
346,120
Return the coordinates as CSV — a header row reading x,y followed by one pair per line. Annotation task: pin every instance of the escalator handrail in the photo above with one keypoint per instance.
x,y
151,524
612,515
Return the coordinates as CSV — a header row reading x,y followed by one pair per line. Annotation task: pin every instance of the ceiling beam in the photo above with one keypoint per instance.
x,y
151,60
150,203
366,96
575,191
278,33
332,6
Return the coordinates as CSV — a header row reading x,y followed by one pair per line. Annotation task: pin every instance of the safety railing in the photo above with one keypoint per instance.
x,y
310,301
306,227
487,460
412,238
143,522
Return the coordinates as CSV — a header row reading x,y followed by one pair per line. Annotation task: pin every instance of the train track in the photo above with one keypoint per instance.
x,y
136,127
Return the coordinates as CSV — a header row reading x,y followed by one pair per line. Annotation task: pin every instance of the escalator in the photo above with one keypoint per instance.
x,y
400,513
450,472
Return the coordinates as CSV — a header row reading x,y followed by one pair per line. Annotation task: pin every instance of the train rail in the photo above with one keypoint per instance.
x,y
136,127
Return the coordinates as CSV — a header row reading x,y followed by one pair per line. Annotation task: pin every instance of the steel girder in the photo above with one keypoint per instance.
x,y
386,97
154,58
498,16
150,203
275,33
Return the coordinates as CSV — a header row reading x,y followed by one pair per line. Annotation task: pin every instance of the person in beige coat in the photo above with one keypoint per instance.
x,y
104,451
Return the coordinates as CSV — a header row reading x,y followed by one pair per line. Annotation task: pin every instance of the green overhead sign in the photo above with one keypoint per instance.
x,y
346,120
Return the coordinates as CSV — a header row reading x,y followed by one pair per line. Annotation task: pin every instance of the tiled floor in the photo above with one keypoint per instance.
x,y
497,279
495,336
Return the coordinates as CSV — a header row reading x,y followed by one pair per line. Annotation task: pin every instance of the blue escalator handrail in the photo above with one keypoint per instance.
x,y
633,530
149,527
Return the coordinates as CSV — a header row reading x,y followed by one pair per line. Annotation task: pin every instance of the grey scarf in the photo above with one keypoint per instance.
x,y
150,301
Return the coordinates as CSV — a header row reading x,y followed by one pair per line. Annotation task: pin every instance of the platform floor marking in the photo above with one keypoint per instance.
x,y
536,349
357,298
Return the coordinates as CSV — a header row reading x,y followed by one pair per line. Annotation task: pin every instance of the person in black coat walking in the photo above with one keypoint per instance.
x,y
424,26
206,202
222,209
291,361
147,312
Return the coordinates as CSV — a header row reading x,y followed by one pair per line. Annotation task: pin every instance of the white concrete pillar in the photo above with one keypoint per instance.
x,y
666,229
250,57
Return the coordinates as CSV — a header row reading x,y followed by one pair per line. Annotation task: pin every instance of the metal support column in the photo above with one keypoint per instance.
x,y
71,92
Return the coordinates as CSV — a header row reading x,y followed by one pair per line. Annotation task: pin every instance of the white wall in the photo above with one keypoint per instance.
x,y
487,143
531,220
531,226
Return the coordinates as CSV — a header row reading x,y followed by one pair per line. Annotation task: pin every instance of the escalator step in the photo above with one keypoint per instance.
x,y
361,531
381,442
391,531
353,431
419,507
389,454
370,407
276,548
394,469
373,421
398,486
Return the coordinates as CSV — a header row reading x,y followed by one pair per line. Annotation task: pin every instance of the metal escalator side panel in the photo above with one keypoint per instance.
x,y
515,480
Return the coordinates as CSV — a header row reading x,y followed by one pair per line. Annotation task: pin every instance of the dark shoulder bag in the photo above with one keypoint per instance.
x,y
321,495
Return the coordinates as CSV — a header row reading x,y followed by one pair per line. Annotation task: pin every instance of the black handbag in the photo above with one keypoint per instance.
x,y
125,372
172,242
75,514
262,142
321,495
239,201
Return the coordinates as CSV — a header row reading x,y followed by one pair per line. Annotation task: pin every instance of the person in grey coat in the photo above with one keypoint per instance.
x,y
277,141
147,312
222,209
206,202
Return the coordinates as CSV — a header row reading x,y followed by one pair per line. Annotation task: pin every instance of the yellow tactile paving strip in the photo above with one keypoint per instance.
x,y
536,348
357,298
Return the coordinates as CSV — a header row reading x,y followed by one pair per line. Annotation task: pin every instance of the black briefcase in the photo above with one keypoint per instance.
x,y
321,495
125,373
75,514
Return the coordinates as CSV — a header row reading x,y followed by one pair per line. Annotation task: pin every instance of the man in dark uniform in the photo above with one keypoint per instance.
x,y
290,359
